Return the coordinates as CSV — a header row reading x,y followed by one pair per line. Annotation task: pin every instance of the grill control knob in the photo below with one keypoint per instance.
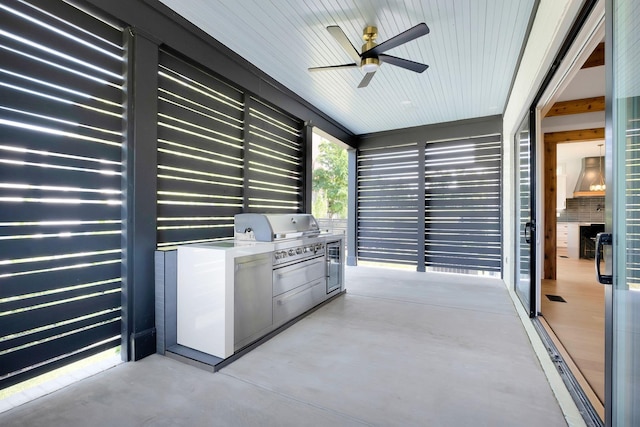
x,y
291,252
299,251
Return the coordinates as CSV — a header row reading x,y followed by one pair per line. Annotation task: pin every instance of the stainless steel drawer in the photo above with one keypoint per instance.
x,y
290,277
293,303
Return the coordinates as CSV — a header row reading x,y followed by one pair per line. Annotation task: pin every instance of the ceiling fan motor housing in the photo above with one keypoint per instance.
x,y
369,35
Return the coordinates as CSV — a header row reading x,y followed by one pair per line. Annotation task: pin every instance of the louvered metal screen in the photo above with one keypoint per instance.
x,y
462,205
388,196
200,154
60,186
275,159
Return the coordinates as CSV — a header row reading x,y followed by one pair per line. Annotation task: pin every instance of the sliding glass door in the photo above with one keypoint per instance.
x,y
623,209
525,214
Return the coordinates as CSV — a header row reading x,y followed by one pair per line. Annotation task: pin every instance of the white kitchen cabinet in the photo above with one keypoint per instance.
x,y
561,192
205,306
573,240
562,234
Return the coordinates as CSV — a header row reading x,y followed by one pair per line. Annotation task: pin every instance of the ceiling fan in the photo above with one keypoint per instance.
x,y
372,54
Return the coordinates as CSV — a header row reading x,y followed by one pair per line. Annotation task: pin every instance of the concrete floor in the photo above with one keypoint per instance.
x,y
399,349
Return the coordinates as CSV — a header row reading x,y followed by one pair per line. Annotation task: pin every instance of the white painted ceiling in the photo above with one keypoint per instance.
x,y
472,51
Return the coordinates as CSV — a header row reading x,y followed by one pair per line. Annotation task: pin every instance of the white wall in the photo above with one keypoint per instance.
x,y
552,22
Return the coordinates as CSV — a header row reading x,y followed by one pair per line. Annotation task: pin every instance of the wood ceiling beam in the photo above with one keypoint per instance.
x,y
577,106
596,58
574,136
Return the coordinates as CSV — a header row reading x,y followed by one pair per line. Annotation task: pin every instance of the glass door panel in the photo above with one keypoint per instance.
x,y
525,254
623,202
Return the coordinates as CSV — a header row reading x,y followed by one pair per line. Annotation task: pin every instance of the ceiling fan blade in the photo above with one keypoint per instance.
x,y
403,63
333,67
367,78
343,40
402,38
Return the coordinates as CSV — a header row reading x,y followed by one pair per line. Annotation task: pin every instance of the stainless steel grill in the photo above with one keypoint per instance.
x,y
274,227
296,236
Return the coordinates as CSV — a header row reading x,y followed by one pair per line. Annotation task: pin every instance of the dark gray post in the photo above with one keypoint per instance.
x,y
352,211
139,186
421,208
247,156
307,197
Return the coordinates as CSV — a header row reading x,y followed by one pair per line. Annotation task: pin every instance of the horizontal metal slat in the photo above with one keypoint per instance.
x,y
453,144
20,228
207,96
172,210
52,297
54,314
52,246
462,263
400,157
275,114
395,214
22,139
24,358
447,190
409,171
259,141
389,246
35,370
52,280
387,257
39,181
466,248
462,226
12,212
194,234
177,143
388,182
486,174
396,234
102,27
207,78
25,266
221,188
199,138
47,334
93,61
259,175
459,201
387,225
168,111
199,164
388,204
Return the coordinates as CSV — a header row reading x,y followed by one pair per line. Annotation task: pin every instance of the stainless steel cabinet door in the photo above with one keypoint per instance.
x,y
253,313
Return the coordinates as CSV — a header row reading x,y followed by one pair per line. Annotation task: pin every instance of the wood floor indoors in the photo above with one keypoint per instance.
x,y
578,323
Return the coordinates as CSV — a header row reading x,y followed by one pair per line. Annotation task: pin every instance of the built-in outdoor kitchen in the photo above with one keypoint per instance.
x,y
217,300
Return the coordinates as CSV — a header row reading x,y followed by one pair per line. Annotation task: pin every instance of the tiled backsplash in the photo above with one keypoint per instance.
x,y
583,209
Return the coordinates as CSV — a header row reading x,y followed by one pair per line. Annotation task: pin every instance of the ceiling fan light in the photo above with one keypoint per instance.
x,y
370,65
369,68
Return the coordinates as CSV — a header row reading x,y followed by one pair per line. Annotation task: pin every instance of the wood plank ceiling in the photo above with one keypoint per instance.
x,y
472,51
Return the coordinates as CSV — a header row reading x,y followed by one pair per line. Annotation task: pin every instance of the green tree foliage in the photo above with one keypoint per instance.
x,y
330,178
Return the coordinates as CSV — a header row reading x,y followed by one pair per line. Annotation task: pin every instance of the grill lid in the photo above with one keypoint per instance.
x,y
273,227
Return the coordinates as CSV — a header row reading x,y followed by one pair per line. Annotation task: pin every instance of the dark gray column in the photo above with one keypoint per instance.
x,y
352,211
307,136
421,208
245,152
139,195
